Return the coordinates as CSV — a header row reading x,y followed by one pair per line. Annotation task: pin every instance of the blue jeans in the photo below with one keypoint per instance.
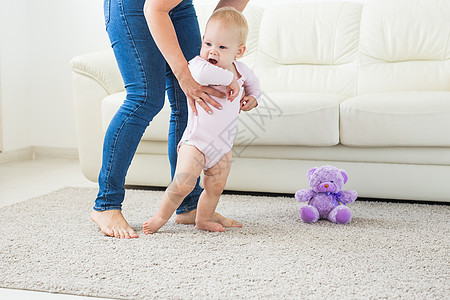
x,y
147,76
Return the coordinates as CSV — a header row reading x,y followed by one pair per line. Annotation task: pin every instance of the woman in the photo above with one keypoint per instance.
x,y
150,62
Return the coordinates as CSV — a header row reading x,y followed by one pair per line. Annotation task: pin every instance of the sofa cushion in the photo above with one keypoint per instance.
x,y
280,119
291,119
315,33
310,48
411,118
393,155
404,46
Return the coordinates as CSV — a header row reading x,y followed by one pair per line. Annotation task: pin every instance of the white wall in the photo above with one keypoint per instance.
x,y
14,66
61,30
37,41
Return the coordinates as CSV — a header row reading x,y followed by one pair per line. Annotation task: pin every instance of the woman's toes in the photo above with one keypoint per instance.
x,y
108,231
237,224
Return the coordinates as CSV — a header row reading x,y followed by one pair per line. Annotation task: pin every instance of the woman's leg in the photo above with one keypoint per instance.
x,y
186,26
143,70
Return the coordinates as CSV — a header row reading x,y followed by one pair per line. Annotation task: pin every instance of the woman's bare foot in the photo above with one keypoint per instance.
x,y
189,218
210,226
112,223
186,218
153,224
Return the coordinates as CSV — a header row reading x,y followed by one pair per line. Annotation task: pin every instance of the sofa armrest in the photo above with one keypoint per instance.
x,y
94,76
101,67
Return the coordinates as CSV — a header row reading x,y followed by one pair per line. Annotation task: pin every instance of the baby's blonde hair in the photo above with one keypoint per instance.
x,y
233,16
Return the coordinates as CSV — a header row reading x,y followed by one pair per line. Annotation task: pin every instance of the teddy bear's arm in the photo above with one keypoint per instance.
x,y
348,196
304,195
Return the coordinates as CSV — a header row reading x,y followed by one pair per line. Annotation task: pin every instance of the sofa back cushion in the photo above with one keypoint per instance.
x,y
405,45
309,48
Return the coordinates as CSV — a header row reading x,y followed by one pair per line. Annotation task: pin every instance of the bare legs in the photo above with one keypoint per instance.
x,y
214,182
189,166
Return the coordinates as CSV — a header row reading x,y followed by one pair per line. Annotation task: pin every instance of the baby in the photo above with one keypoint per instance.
x,y
207,141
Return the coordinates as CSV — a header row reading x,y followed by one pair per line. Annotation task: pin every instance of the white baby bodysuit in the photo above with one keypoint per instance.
x,y
214,134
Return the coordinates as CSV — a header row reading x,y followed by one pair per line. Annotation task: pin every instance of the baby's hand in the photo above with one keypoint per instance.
x,y
233,90
248,103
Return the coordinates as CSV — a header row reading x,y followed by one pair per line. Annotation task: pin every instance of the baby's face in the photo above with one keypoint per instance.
x,y
221,45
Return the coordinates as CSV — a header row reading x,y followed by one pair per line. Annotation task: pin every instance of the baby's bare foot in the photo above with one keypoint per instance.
x,y
153,224
209,226
189,218
225,222
112,223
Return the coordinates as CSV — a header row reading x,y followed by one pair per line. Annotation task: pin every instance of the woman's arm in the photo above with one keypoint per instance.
x,y
238,4
157,15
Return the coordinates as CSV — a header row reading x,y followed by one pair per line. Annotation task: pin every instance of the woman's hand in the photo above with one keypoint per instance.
x,y
198,94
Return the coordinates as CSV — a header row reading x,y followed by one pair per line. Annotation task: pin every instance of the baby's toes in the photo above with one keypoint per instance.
x,y
210,226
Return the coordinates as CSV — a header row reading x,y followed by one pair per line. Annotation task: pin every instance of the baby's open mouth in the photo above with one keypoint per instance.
x,y
213,61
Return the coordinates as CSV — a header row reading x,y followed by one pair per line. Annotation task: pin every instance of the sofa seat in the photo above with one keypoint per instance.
x,y
294,115
412,118
394,155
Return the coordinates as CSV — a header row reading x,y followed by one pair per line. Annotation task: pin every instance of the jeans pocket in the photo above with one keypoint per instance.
x,y
106,10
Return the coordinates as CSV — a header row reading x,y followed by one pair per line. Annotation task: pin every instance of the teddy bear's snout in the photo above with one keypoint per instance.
x,y
327,187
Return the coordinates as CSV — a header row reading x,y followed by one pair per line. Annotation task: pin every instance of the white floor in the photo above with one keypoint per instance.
x,y
20,181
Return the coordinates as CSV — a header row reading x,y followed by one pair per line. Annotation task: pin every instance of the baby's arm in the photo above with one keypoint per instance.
x,y
252,85
206,73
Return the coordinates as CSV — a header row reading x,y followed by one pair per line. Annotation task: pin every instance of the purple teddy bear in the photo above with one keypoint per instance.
x,y
326,200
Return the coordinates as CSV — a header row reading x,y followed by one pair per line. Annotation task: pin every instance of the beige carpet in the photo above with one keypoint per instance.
x,y
389,250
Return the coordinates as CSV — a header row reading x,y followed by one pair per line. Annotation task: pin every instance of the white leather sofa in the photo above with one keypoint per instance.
x,y
364,87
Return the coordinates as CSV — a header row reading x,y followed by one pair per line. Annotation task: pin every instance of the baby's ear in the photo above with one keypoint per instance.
x,y
241,51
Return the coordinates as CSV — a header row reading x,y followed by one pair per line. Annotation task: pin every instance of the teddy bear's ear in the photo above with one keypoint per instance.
x,y
310,172
344,175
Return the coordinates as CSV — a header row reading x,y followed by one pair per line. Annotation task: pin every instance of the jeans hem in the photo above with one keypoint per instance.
x,y
107,208
186,209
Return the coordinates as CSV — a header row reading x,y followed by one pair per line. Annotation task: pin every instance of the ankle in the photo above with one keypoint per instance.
x,y
203,220
161,217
